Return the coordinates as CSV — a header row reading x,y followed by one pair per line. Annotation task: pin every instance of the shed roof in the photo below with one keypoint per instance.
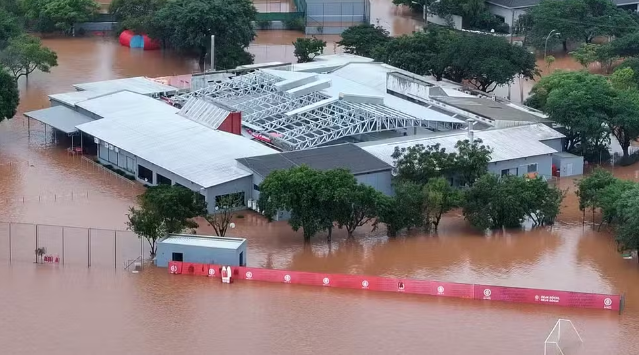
x,y
59,117
125,102
203,241
490,109
140,85
199,154
73,97
347,156
507,143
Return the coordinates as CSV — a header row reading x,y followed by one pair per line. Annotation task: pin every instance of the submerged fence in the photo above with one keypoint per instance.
x,y
413,286
65,245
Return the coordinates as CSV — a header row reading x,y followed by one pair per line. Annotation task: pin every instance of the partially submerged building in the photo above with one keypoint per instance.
x,y
201,249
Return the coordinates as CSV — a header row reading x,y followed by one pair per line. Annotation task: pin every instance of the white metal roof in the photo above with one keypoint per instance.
x,y
204,112
197,153
204,241
124,102
140,85
73,97
59,117
507,143
325,63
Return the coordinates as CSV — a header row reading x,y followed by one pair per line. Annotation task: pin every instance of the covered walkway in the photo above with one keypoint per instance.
x,y
60,118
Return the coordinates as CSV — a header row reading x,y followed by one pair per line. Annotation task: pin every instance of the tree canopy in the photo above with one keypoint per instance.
x,y
51,15
308,48
135,15
24,54
9,96
187,26
362,39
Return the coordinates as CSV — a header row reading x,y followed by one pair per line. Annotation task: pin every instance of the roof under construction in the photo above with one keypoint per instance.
x,y
295,110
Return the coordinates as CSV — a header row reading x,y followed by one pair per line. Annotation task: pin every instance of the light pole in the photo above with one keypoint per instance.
x,y
557,34
424,11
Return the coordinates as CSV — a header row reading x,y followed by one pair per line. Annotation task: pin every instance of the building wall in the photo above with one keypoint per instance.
x,y
518,166
244,184
380,180
202,255
319,12
555,144
569,166
508,14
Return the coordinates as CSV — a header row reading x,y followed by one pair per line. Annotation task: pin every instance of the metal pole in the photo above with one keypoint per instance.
x,y
115,249
62,245
142,252
10,253
212,52
546,45
89,247
36,248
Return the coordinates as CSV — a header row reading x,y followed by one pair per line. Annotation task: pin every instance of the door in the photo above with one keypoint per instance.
x,y
177,257
241,258
568,169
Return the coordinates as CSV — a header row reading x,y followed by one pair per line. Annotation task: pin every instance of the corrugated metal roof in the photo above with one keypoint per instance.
x,y
204,241
140,85
507,144
59,117
347,156
490,109
197,153
204,112
73,97
125,102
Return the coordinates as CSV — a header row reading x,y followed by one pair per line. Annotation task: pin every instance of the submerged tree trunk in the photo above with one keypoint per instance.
x,y
202,58
330,234
565,45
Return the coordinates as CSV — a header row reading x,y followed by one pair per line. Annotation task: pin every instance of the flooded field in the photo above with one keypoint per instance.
x,y
105,310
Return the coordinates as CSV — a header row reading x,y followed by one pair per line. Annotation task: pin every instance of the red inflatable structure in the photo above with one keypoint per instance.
x,y
422,287
131,40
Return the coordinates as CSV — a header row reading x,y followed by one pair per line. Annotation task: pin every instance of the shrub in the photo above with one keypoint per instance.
x,y
296,24
264,24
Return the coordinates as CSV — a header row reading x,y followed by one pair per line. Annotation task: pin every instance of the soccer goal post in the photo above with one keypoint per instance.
x,y
553,341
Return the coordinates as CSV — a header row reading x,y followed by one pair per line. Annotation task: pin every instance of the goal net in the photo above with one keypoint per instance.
x,y
564,339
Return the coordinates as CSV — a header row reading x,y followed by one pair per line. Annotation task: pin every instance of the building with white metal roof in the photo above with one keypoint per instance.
x,y
516,150
122,103
139,85
201,249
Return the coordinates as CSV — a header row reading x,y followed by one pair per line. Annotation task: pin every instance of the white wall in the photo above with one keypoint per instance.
x,y
509,15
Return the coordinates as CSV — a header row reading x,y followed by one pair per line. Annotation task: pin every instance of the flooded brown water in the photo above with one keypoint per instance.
x,y
75,310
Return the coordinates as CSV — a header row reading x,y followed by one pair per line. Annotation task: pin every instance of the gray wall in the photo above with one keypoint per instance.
x,y
380,180
321,11
569,166
518,166
555,144
508,14
202,255
244,184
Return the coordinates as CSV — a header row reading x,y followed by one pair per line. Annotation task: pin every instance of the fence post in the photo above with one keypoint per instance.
x,y
142,252
10,249
89,247
62,245
36,243
115,249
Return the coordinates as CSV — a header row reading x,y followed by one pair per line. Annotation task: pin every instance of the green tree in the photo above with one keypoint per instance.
x,y
582,103
609,197
299,191
628,226
494,203
174,205
542,201
474,13
363,38
421,163
624,122
135,15
403,210
494,61
187,26
625,46
147,224
631,63
222,217
361,206
335,192
48,15
577,21
308,48
439,198
471,161
9,96
24,54
9,27
589,188
589,53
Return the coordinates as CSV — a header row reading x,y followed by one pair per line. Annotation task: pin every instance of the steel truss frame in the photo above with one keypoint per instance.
x,y
264,107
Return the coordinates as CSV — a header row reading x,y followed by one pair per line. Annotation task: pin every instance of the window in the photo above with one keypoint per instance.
x,y
145,174
163,180
256,187
505,172
237,199
532,168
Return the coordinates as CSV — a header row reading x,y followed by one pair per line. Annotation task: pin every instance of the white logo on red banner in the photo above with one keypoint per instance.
x,y
174,269
607,302
325,281
211,272
365,284
487,293
249,275
440,290
287,278
536,297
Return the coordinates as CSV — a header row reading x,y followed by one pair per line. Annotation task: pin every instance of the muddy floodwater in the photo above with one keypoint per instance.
x,y
73,309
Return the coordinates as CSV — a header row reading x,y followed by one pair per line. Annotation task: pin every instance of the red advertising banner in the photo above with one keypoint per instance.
x,y
422,287
548,297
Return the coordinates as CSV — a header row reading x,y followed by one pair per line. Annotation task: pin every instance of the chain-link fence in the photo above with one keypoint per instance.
x,y
90,247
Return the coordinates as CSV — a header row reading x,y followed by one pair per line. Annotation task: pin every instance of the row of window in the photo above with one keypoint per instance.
x,y
530,168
